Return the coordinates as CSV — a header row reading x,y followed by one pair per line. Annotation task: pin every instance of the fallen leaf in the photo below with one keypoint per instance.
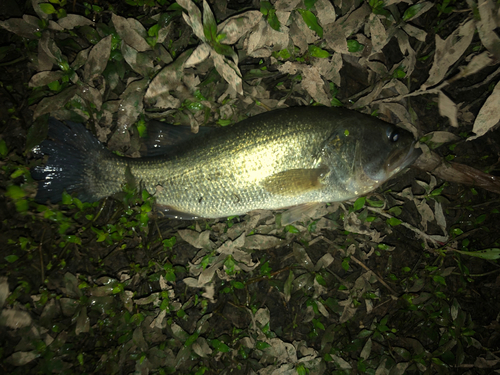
x,y
131,31
448,109
489,115
477,63
486,26
73,20
378,33
448,51
198,240
97,59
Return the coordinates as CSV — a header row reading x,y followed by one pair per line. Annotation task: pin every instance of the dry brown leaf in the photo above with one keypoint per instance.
x,y
326,12
131,31
404,45
335,37
44,78
47,52
488,115
353,22
301,34
73,20
193,18
264,40
22,358
376,67
426,5
97,59
200,54
477,63
486,26
167,79
237,26
425,212
448,109
229,71
286,5
198,240
131,105
367,99
314,85
378,33
440,137
448,51
25,27
260,242
415,32
15,319
53,103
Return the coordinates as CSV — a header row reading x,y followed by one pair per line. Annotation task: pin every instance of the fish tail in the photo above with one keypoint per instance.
x,y
74,157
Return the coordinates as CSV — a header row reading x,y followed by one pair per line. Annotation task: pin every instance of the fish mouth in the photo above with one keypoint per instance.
x,y
398,161
412,155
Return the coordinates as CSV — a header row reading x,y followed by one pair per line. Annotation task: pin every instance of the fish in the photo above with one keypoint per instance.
x,y
283,158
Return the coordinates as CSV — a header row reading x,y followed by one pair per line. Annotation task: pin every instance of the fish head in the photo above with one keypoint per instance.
x,y
384,149
360,156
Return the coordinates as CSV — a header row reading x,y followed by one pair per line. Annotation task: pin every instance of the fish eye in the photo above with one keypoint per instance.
x,y
392,134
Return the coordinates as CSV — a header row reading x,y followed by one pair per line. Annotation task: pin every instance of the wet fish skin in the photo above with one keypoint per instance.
x,y
273,160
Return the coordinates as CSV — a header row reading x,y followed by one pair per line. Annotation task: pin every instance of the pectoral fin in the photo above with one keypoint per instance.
x,y
294,182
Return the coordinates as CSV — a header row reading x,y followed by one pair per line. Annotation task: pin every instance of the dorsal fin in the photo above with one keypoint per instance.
x,y
162,138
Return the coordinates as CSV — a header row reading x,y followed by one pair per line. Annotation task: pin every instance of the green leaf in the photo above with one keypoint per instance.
x,y
345,264
359,204
209,24
291,229
399,73
273,21
376,204
15,192
191,339
393,221
311,21
11,258
354,46
261,345
320,280
141,128
309,3
318,52
396,210
47,8
265,6
169,242
412,11
223,49
336,103
239,285
490,254
220,346
153,30
439,279
222,122
66,198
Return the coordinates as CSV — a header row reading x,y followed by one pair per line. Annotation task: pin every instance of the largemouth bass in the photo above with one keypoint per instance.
x,y
274,160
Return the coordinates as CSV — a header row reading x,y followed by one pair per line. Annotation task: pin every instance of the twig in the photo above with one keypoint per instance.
x,y
381,281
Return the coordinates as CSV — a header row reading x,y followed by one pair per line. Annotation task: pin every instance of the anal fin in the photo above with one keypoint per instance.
x,y
299,212
174,213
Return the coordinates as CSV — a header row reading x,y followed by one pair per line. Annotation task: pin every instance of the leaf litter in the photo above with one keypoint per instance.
x,y
315,267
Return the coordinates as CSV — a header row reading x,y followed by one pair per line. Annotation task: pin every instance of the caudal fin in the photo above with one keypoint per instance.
x,y
73,153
